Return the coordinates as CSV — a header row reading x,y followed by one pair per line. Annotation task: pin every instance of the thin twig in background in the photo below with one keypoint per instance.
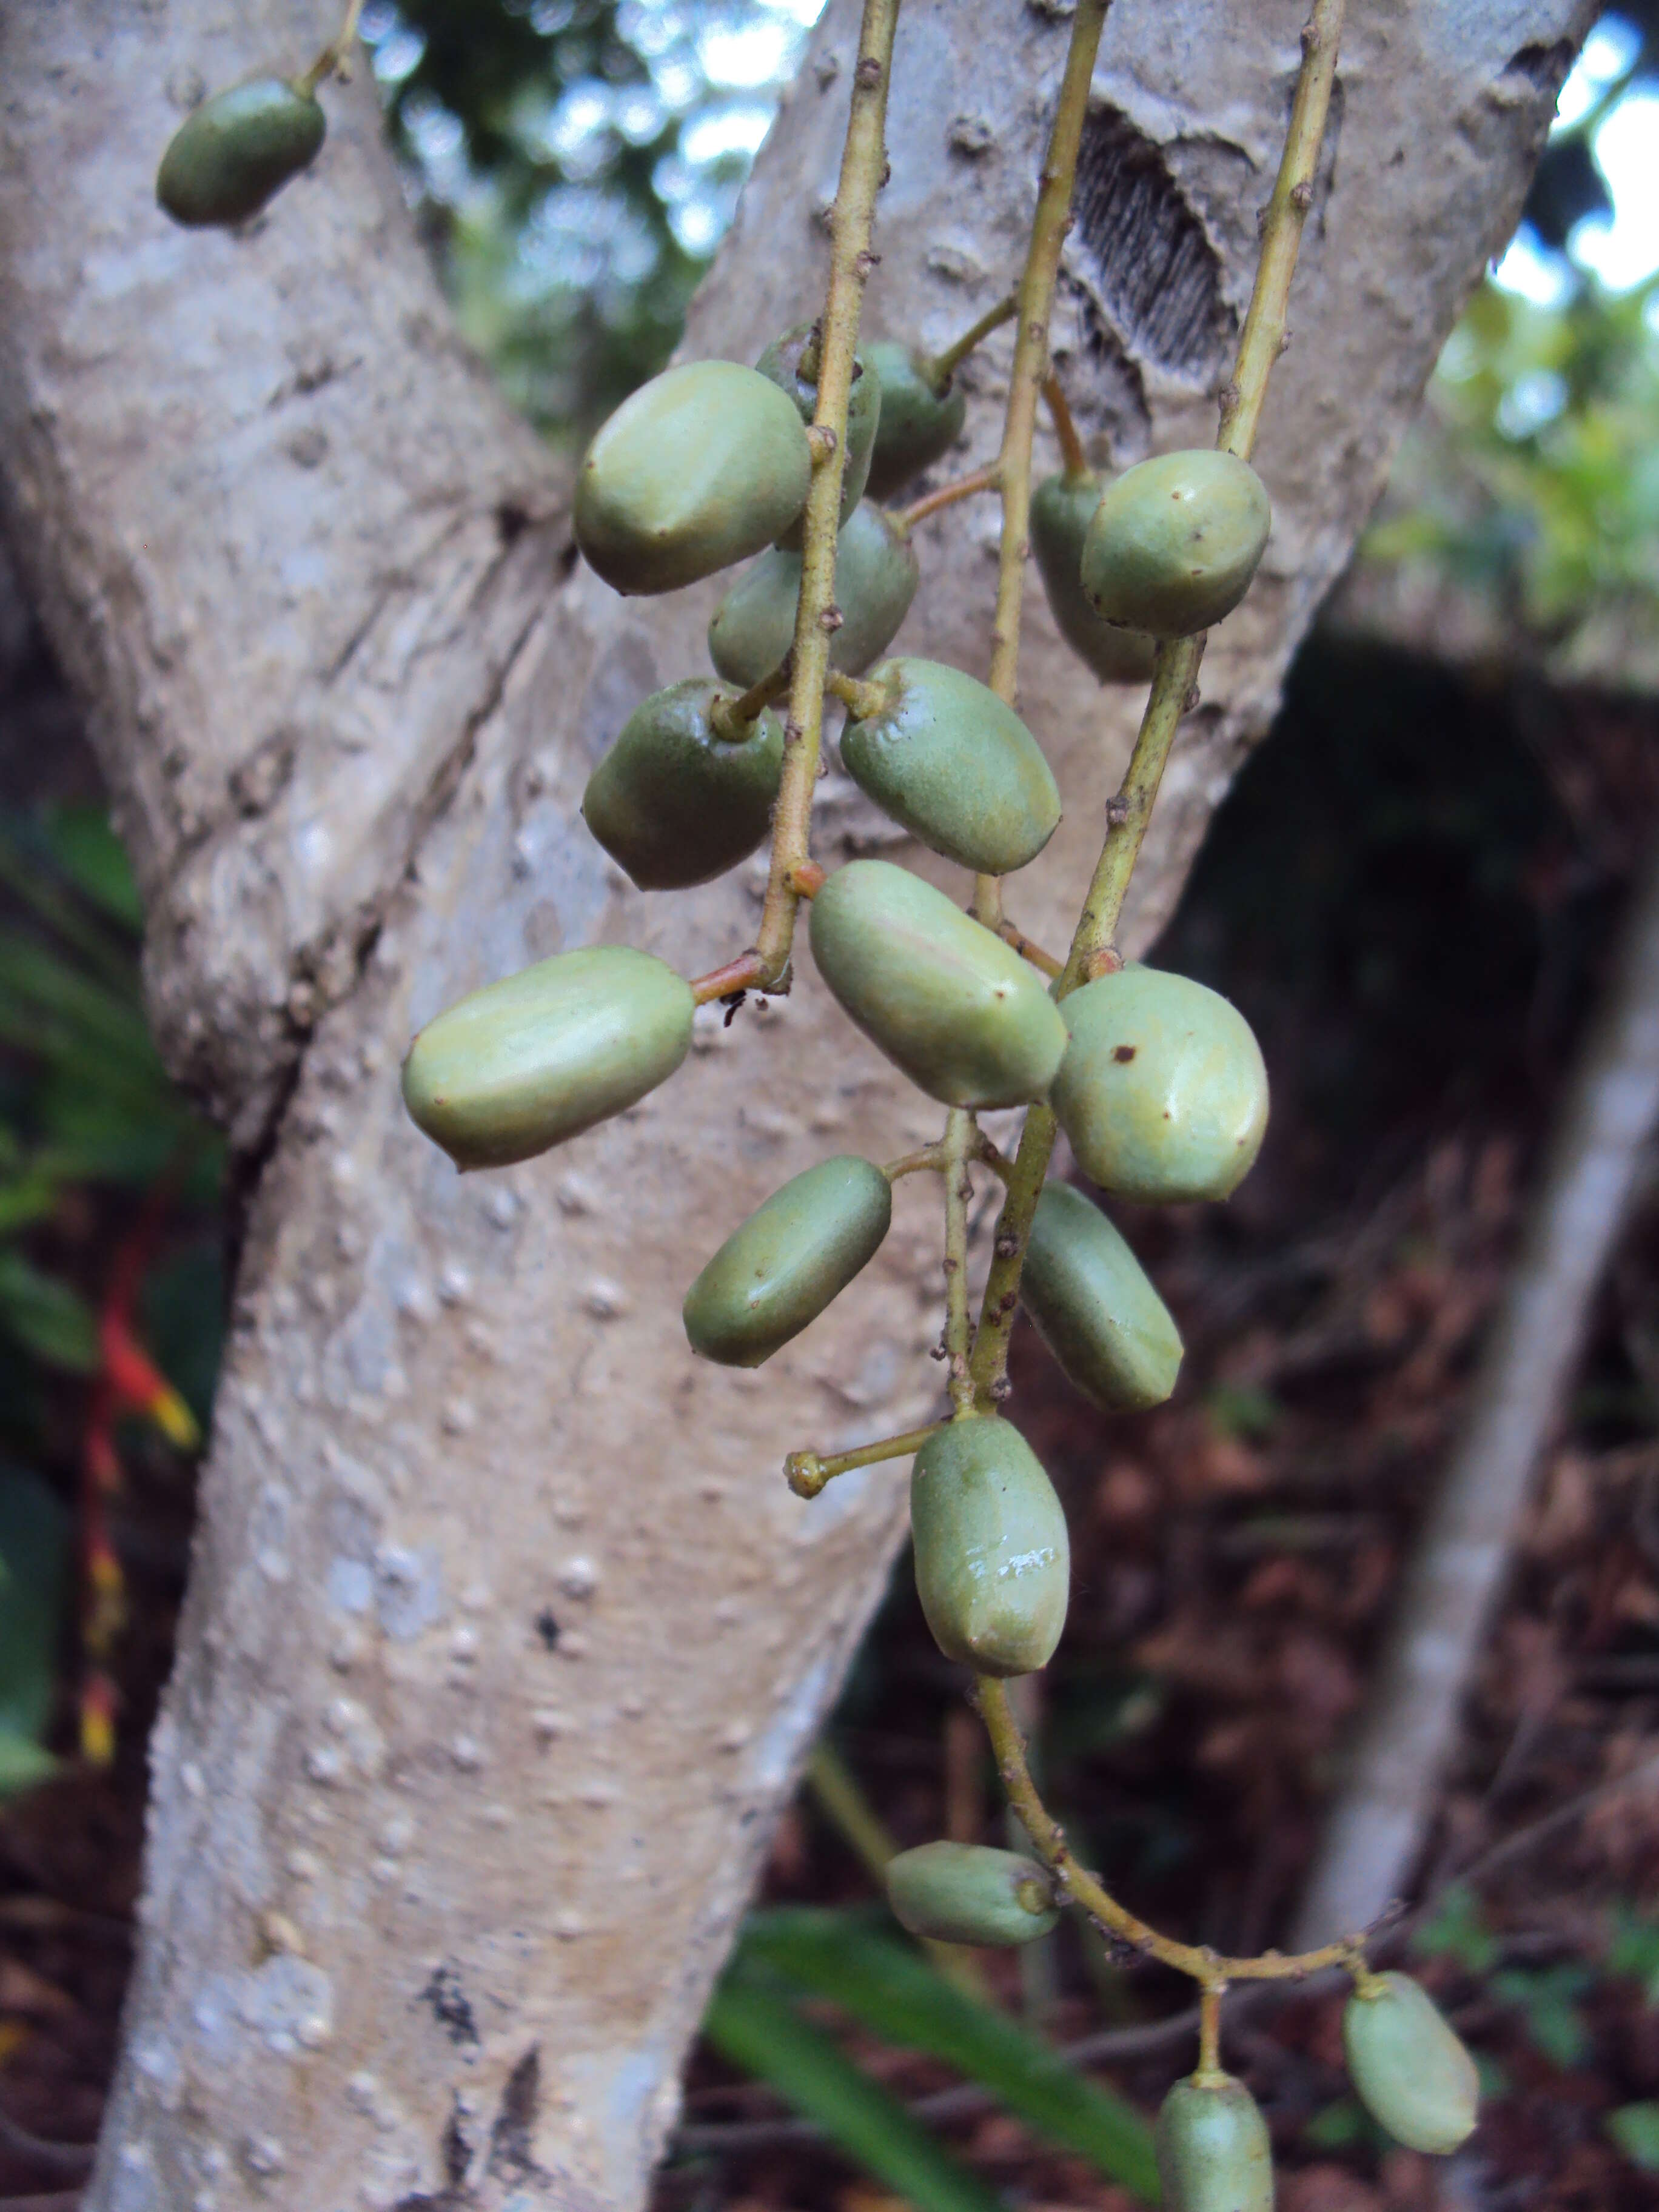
x,y
1375,1828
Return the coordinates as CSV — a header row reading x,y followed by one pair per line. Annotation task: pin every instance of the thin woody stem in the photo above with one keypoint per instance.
x,y
1174,690
905,519
1037,294
731,720
863,160
1207,1968
806,1472
944,365
1059,414
929,1159
960,1131
1028,948
1209,2028
332,59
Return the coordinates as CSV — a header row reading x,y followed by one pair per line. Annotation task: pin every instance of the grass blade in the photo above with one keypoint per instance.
x,y
757,2028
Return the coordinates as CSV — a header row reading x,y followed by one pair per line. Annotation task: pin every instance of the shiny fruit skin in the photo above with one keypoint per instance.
x,y
1409,2069
517,1067
780,362
236,151
1110,1334
700,467
1213,2152
993,1559
785,1264
1174,542
963,1016
674,802
876,577
918,425
1162,1091
969,1893
1062,508
955,766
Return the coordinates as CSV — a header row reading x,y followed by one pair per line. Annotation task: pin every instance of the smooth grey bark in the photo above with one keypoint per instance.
x,y
1377,1826
504,1639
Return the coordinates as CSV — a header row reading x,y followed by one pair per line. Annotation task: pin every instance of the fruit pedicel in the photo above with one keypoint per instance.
x,y
1157,1081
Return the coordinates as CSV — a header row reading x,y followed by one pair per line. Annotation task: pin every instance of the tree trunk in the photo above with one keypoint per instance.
x,y
504,1638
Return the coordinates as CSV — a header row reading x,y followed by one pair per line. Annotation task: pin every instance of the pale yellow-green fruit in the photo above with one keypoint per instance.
x,y
969,1893
676,802
943,755
781,362
876,576
1213,2153
522,1065
994,1561
965,1018
699,468
785,1264
920,422
1062,507
1408,2067
1174,542
1093,1306
1162,1091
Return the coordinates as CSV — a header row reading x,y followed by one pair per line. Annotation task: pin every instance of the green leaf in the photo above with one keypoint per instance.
x,y
1634,1948
891,1990
95,860
34,1538
1635,2129
756,2028
46,1316
1457,1929
1545,1998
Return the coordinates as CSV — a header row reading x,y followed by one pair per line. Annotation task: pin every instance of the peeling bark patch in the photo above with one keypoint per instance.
x,y
1158,274
1542,67
450,2006
510,2138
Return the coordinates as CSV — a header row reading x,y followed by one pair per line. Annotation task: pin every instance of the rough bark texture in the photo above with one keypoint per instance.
x,y
504,1638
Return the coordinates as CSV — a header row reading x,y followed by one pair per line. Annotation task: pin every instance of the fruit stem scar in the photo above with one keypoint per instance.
x,y
807,1471
862,700
864,157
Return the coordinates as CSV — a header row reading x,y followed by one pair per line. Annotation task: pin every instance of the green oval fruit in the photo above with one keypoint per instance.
x,y
993,1564
1213,2153
1174,542
1162,1090
1062,507
959,769
791,1257
969,1893
700,467
963,1016
918,425
1410,2070
781,363
237,151
876,576
1109,1330
675,803
540,1056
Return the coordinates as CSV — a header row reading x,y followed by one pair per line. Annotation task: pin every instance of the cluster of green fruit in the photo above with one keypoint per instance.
x,y
1408,2067
1157,1081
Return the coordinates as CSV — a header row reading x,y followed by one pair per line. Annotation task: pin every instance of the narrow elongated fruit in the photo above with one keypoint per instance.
x,y
1162,1090
919,424
1094,1307
943,755
1174,542
518,1066
994,1563
1062,507
963,1016
673,801
793,1255
237,151
969,1893
699,468
1213,2153
781,363
876,576
1409,2069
